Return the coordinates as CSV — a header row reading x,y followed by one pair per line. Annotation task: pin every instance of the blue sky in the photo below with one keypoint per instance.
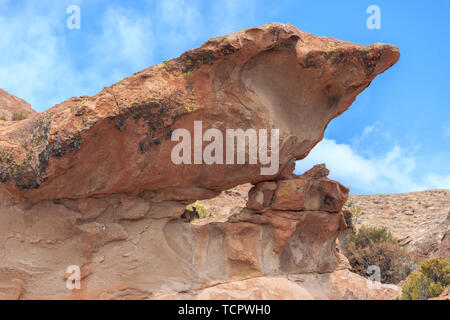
x,y
394,138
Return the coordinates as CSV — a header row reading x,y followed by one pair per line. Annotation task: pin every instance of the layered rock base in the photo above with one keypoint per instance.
x,y
283,245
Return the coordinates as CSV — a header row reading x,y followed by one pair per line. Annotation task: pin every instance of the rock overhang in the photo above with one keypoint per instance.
x,y
118,141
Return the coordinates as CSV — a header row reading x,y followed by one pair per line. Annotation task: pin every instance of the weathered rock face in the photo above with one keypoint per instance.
x,y
311,191
91,183
304,214
12,107
118,141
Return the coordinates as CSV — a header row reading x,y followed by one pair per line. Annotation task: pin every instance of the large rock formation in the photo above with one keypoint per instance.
x,y
275,76
90,182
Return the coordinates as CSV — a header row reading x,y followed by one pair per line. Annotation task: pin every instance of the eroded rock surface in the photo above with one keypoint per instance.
x,y
91,183
118,141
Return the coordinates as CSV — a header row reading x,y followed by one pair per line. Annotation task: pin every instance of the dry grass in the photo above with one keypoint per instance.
x,y
372,246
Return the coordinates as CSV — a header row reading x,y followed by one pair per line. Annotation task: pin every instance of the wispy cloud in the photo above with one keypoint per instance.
x,y
126,43
45,63
391,169
38,65
33,64
375,138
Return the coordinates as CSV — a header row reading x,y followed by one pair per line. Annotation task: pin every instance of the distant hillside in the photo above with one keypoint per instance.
x,y
14,108
417,219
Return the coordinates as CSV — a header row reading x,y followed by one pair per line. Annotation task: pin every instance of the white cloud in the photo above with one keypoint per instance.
x,y
126,42
376,136
393,171
390,172
42,65
374,162
33,64
39,66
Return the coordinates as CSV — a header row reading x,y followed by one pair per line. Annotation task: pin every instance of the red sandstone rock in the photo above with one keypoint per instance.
x,y
260,196
310,191
326,195
290,195
317,172
118,141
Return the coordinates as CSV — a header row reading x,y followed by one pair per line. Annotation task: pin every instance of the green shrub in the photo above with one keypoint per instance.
x,y
429,282
355,210
367,236
376,246
202,211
